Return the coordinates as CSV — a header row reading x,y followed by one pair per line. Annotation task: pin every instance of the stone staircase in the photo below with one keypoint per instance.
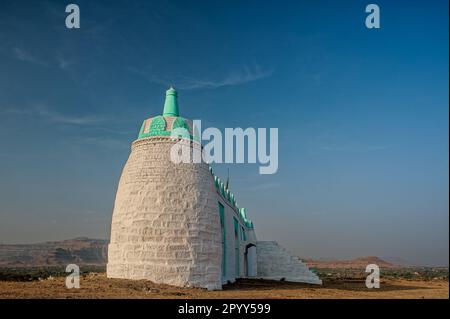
x,y
275,263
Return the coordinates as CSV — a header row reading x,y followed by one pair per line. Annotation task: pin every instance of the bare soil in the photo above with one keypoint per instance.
x,y
96,285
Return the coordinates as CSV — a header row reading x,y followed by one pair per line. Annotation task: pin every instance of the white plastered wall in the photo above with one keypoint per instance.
x,y
165,226
230,259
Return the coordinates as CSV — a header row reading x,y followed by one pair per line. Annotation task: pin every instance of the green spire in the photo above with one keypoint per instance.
x,y
171,103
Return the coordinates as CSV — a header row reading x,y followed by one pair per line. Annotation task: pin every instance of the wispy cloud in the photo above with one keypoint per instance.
x,y
106,142
16,111
247,74
57,61
114,131
63,63
66,119
26,56
55,117
119,141
354,148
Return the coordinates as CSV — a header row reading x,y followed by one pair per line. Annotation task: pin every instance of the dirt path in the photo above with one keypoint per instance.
x,y
96,285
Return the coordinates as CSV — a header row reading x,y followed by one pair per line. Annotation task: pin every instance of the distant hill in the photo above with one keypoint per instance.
x,y
87,251
80,251
399,261
356,263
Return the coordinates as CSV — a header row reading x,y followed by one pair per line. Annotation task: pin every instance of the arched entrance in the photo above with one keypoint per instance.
x,y
250,260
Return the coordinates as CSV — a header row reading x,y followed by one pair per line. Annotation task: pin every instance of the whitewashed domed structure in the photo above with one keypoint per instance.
x,y
179,224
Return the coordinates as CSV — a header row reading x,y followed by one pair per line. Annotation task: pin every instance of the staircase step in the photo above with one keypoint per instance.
x,y
275,262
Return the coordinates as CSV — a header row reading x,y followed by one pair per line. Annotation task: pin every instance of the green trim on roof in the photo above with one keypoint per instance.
x,y
224,241
158,123
171,103
231,200
180,128
141,131
157,128
179,122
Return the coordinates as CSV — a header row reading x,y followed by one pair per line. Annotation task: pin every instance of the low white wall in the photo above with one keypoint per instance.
x,y
275,263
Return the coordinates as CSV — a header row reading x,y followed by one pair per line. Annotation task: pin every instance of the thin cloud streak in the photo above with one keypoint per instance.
x,y
63,63
25,56
186,83
65,119
54,117
109,143
356,149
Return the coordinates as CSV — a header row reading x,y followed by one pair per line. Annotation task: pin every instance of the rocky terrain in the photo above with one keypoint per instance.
x,y
38,271
96,285
81,251
87,251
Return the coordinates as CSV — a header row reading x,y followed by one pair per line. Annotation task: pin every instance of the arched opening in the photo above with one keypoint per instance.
x,y
249,260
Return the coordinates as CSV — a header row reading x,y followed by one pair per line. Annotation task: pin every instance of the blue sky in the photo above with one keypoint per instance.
x,y
362,115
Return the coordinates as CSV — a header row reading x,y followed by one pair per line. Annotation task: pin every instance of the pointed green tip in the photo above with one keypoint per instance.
x,y
171,103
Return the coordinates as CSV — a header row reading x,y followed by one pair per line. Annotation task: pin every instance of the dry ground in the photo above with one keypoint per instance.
x,y
96,285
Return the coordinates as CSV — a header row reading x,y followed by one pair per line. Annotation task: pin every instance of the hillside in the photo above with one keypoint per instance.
x,y
356,263
87,251
81,251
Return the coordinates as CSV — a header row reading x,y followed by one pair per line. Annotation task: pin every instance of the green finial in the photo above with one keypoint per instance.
x,y
171,103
